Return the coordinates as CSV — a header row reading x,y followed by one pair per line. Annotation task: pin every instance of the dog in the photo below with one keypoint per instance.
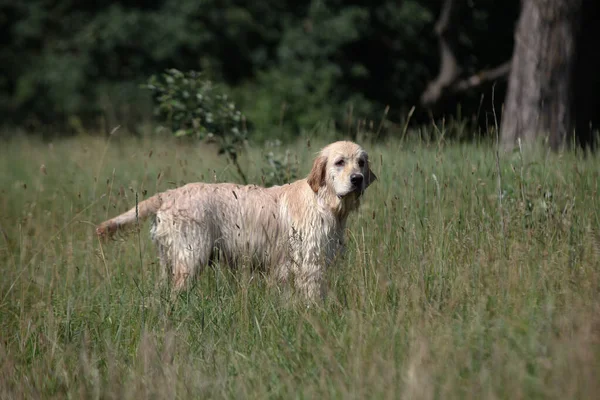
x,y
293,231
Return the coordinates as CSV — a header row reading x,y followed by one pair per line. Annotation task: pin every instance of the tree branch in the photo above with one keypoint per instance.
x,y
447,80
449,69
482,77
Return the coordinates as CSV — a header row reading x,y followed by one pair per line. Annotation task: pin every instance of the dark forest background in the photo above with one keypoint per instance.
x,y
290,66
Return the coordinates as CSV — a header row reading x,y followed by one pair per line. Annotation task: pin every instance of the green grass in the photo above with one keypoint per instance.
x,y
434,299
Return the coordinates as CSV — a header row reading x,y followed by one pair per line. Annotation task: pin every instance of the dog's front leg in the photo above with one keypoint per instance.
x,y
309,281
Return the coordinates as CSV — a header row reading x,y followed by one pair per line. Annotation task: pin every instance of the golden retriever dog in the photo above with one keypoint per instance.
x,y
293,231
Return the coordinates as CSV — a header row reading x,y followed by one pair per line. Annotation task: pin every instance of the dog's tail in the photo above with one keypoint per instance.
x,y
143,210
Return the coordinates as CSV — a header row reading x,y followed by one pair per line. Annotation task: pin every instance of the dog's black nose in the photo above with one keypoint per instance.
x,y
356,179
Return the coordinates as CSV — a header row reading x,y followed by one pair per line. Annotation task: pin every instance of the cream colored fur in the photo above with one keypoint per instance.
x,y
293,231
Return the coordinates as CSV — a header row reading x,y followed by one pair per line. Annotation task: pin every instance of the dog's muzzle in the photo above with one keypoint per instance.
x,y
356,180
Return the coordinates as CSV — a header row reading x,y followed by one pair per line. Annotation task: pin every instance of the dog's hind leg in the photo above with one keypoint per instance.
x,y
165,264
191,253
183,248
181,276
187,263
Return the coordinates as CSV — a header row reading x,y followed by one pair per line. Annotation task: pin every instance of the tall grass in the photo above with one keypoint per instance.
x,y
433,299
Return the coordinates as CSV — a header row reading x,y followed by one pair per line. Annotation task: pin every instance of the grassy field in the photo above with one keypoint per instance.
x,y
442,294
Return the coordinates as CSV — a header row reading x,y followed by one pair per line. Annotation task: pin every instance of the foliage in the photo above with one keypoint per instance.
x,y
279,168
190,106
79,58
289,65
329,66
433,298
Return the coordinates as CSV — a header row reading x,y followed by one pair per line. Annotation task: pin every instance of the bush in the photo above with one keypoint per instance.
x,y
279,168
190,105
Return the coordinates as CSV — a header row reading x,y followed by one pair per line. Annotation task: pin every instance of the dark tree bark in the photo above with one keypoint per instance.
x,y
539,101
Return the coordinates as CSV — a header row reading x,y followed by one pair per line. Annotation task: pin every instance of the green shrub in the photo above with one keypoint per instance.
x,y
189,105
279,168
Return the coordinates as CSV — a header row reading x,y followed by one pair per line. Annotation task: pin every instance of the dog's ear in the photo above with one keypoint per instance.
x,y
370,177
316,177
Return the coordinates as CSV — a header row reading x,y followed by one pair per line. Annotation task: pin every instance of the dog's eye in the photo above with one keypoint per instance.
x,y
361,163
339,163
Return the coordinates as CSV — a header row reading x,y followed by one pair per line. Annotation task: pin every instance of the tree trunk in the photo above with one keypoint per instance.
x,y
540,89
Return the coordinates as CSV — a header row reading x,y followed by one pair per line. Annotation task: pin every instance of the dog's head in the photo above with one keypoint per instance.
x,y
342,168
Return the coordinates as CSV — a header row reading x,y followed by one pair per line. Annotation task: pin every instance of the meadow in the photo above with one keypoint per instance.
x,y
447,290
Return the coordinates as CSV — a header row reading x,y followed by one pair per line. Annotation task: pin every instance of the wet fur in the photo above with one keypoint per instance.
x,y
291,231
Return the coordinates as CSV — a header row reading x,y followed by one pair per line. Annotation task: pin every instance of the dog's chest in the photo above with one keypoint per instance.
x,y
315,239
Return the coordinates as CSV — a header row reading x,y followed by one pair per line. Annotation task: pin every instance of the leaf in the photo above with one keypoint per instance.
x,y
181,132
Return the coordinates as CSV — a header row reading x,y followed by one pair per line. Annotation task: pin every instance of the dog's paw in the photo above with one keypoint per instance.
x,y
106,230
